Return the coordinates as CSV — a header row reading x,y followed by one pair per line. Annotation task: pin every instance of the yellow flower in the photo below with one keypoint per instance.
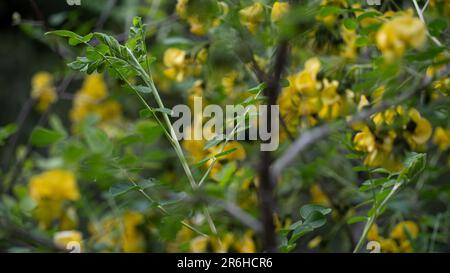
x,y
418,130
318,196
388,245
405,246
202,56
63,239
197,27
49,190
94,87
387,116
363,102
90,99
223,245
398,232
315,242
109,110
442,138
252,16
378,149
372,235
175,61
331,101
306,81
350,49
400,33
132,239
54,185
229,82
246,244
199,244
199,17
364,140
69,219
279,9
181,8
442,85
42,90
123,231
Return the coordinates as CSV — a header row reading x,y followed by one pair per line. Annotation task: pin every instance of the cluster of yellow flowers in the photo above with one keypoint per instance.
x,y
92,99
401,32
412,127
279,9
253,16
179,65
399,238
307,98
43,90
229,242
200,23
123,232
50,190
378,142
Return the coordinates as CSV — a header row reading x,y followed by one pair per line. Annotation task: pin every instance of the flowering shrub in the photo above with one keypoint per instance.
x,y
363,96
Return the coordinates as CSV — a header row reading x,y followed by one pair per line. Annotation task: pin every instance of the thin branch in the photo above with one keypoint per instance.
x,y
239,214
266,185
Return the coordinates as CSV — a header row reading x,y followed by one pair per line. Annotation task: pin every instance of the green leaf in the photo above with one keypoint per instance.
x,y
306,210
145,113
362,41
137,22
74,39
257,89
41,137
169,226
225,153
437,26
203,161
329,10
148,130
6,131
143,89
350,24
98,141
299,232
284,83
373,183
369,14
360,169
356,219
164,110
414,164
316,219
122,189
213,142
111,42
253,100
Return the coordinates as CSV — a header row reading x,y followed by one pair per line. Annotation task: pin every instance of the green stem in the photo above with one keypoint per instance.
x,y
376,213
